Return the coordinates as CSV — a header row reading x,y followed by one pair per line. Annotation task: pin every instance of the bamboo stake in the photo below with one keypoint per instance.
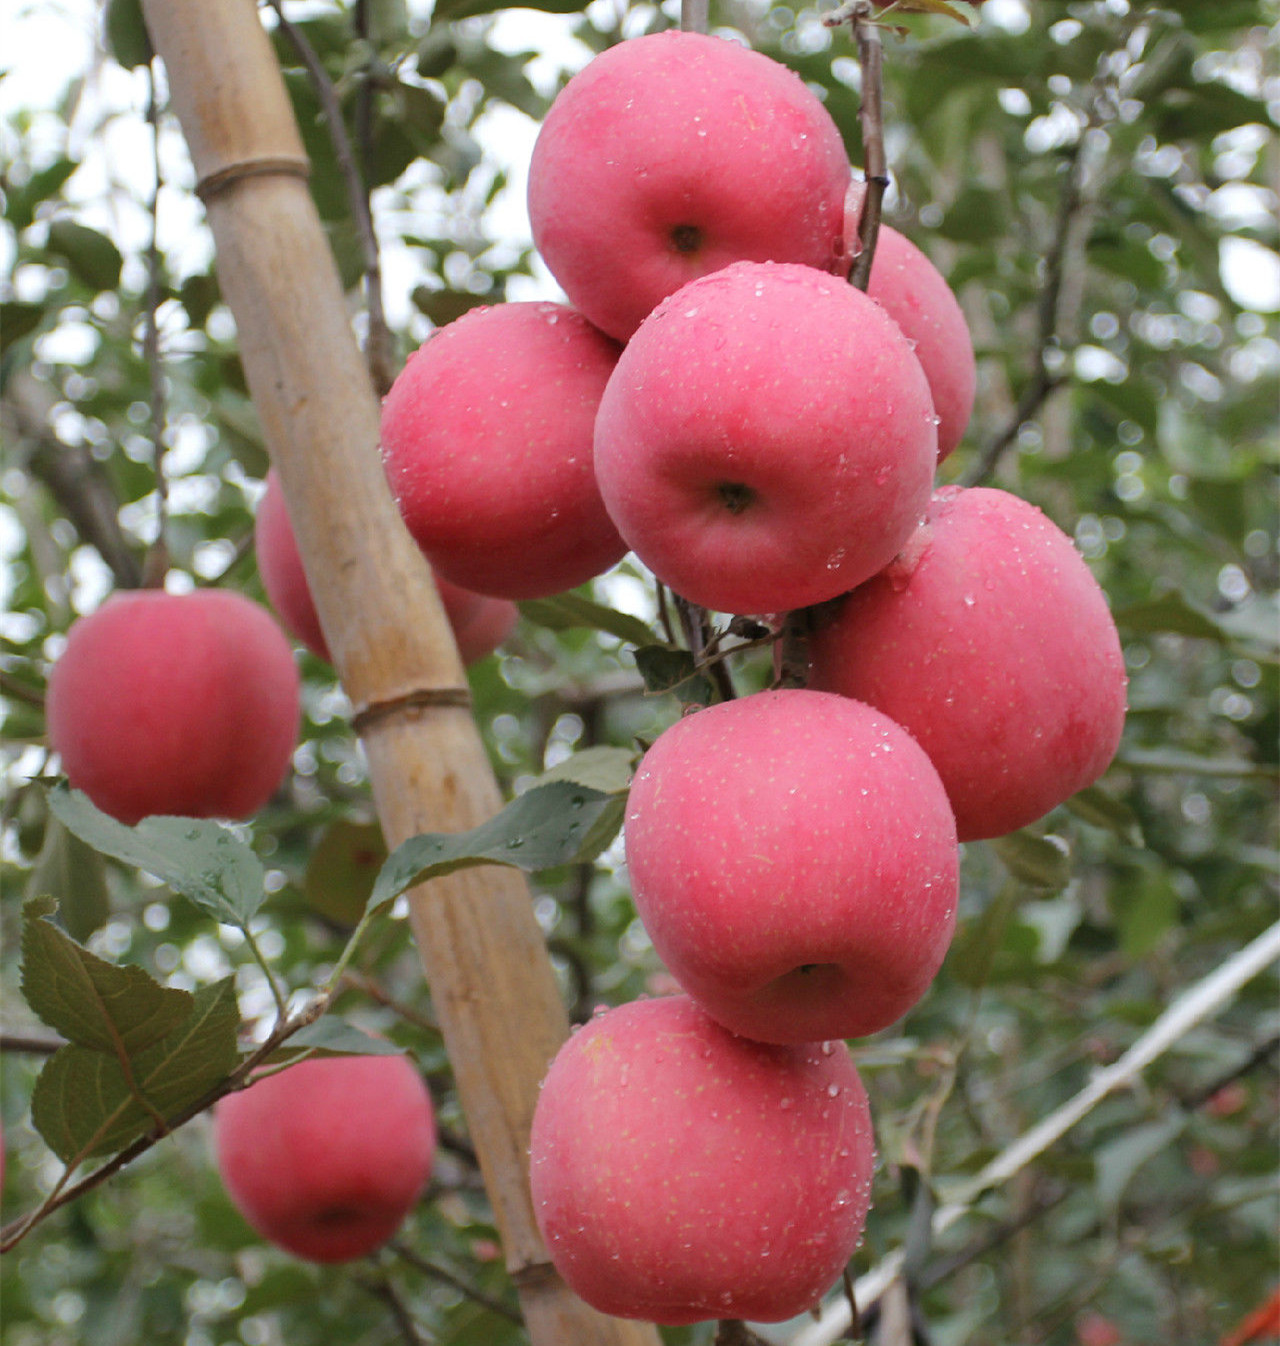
x,y
485,960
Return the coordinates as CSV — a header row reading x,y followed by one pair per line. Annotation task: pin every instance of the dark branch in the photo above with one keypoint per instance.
x,y
440,1273
871,114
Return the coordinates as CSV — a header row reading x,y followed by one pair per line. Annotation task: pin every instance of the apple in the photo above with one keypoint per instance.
x,y
915,295
680,1173
670,156
793,858
181,704
990,641
767,440
480,624
326,1158
486,440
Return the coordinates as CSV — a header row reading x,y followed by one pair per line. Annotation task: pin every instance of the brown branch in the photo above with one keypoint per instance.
x,y
695,15
19,691
1043,381
377,347
409,1331
77,482
730,1332
440,1273
694,624
157,562
30,1042
875,168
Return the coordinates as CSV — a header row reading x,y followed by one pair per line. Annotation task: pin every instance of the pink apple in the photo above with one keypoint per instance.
x,y
486,438
326,1158
914,294
991,642
181,704
681,1173
793,858
480,624
672,155
767,440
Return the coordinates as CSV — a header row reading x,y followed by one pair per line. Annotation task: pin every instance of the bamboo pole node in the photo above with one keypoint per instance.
x,y
421,698
269,165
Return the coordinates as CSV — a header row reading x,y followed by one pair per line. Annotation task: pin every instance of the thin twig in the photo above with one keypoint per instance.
x,y
357,198
731,1332
19,691
1192,1008
440,1273
157,562
1043,381
695,15
409,1331
36,1043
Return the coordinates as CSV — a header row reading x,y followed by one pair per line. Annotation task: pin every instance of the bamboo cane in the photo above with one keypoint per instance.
x,y
484,957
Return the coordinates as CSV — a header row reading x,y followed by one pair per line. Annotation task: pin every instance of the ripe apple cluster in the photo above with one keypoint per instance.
x,y
719,401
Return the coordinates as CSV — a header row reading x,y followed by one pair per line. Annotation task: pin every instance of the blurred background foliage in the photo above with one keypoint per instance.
x,y
1097,178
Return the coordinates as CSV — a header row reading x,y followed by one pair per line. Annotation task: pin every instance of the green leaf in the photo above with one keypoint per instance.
x,y
1174,612
1151,910
1034,860
75,877
93,1003
603,768
446,306
342,870
126,33
1096,807
502,75
18,319
667,670
566,612
92,257
1118,1161
84,1104
331,1037
22,201
201,859
545,827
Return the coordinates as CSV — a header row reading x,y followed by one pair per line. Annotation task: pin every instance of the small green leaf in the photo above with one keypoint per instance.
x,y
1096,807
331,1037
446,306
74,875
449,10
545,827
1151,909
565,612
342,870
93,1003
1117,1161
17,319
201,859
1035,860
603,768
92,257
1173,612
84,1104
22,201
667,670
126,33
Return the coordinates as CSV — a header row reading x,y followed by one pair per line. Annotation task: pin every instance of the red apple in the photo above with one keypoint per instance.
x,y
672,155
915,295
326,1158
480,624
767,440
992,643
680,1173
793,858
486,438
182,704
